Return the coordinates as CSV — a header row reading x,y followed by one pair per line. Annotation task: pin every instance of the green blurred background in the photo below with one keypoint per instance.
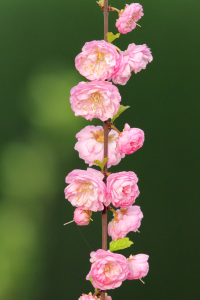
x,y
39,257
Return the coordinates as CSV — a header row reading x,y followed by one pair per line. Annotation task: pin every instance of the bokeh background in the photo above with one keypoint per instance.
x,y
39,257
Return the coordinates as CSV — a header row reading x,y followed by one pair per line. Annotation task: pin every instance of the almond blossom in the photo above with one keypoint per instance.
x,y
82,217
108,269
138,266
125,220
90,145
135,58
90,297
86,189
96,99
122,189
130,140
97,61
87,297
128,18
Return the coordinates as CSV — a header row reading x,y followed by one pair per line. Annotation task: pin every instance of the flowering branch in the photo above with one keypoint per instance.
x,y
92,190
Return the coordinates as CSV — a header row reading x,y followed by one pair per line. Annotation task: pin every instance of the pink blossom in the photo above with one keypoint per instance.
x,y
96,99
138,266
90,145
86,189
125,220
128,18
130,140
97,61
134,59
90,297
108,269
82,217
87,297
122,188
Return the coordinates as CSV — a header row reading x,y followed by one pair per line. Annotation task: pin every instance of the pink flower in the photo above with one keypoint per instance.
x,y
96,99
130,140
87,297
90,145
82,217
108,269
127,20
86,189
97,61
125,220
138,266
122,188
90,297
134,59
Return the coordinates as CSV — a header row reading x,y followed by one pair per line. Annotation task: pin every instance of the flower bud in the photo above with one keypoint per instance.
x,y
87,297
130,140
82,217
138,266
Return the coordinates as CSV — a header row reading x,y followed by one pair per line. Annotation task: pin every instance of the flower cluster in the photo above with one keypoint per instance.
x,y
92,190
109,270
99,60
87,191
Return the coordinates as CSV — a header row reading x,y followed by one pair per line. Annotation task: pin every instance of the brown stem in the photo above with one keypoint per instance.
x,y
113,8
104,212
113,127
96,293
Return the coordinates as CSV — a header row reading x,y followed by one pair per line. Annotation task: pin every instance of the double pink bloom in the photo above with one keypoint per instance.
x,y
96,99
108,269
86,189
125,220
128,18
90,297
90,145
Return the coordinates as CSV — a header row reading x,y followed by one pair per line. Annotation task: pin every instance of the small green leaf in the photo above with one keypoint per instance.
x,y
90,280
111,37
101,164
120,244
121,110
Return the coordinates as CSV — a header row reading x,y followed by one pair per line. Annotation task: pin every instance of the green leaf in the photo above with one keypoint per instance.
x,y
120,244
101,164
90,280
111,37
121,110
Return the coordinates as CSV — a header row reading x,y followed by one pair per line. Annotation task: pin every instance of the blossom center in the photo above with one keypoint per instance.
x,y
84,189
110,270
100,56
99,136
